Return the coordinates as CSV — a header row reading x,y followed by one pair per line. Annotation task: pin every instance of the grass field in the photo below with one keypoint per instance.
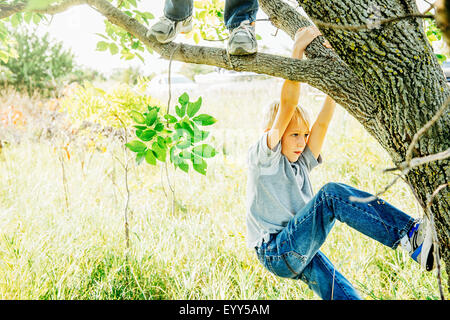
x,y
62,220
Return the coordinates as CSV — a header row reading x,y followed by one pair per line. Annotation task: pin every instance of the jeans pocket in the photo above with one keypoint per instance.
x,y
286,265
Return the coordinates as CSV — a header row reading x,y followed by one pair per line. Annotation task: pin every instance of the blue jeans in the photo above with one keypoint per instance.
x,y
236,11
294,251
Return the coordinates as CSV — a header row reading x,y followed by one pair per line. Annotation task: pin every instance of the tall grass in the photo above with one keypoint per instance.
x,y
53,249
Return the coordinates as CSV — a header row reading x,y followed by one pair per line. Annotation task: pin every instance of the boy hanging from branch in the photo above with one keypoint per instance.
x,y
287,223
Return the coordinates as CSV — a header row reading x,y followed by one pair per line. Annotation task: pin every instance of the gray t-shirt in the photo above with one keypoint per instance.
x,y
276,189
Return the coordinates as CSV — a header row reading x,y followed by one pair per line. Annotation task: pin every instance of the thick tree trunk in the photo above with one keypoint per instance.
x,y
398,68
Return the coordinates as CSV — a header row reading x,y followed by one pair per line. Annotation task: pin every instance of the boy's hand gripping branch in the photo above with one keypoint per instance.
x,y
290,91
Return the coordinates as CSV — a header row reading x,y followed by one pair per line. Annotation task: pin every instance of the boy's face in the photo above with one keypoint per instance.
x,y
294,139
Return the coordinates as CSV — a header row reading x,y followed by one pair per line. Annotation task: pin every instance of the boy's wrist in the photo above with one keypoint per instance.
x,y
297,53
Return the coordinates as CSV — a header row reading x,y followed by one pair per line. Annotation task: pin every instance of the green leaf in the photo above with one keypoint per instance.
x,y
135,45
140,157
27,16
193,107
204,120
37,18
178,132
258,37
173,158
199,164
170,118
161,142
199,135
205,151
16,19
183,144
183,166
151,117
196,38
137,117
168,139
188,128
102,46
185,154
441,58
101,35
177,161
113,48
183,99
150,157
180,111
159,152
159,127
147,15
136,146
146,135
140,127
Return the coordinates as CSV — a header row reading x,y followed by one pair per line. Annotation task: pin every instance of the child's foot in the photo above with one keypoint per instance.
x,y
242,40
419,244
165,30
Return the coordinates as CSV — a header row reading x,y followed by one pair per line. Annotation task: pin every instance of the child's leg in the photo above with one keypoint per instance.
x,y
178,10
329,284
294,248
237,11
377,219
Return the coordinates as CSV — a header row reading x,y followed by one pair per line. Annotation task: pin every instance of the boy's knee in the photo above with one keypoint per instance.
x,y
330,187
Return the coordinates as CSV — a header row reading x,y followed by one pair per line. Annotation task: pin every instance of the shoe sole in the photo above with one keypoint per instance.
x,y
239,51
186,29
427,261
183,30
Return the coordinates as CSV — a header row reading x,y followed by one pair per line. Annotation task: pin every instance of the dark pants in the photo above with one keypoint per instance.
x,y
236,11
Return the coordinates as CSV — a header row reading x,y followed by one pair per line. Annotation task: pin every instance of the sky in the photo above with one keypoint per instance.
x,y
77,26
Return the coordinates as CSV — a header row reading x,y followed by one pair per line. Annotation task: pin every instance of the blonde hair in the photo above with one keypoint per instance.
x,y
271,111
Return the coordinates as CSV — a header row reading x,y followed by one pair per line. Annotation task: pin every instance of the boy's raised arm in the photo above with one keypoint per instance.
x,y
320,126
290,92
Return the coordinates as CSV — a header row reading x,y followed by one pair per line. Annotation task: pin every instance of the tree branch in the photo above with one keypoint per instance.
x,y
342,85
324,70
370,25
327,73
60,7
7,10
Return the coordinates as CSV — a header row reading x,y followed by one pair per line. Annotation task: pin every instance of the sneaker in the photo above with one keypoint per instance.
x,y
419,244
242,40
165,30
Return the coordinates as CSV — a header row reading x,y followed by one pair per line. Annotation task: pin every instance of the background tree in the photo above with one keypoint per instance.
x,y
382,71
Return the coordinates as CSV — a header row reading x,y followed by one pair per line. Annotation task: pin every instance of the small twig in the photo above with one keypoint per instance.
x,y
172,189
125,166
169,80
61,159
229,60
433,157
370,25
435,239
409,163
276,33
424,129
374,197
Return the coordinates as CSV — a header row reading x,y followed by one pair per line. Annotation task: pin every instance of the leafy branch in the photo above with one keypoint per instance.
x,y
181,144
